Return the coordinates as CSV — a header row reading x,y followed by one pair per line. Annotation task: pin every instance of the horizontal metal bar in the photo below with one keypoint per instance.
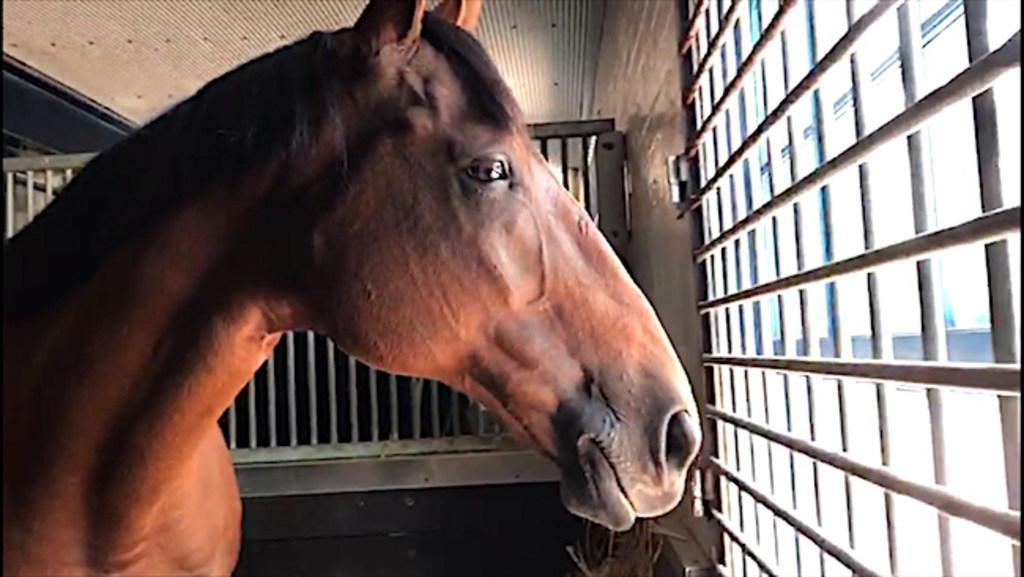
x,y
841,554
393,473
985,228
1005,522
686,42
54,162
376,449
736,535
570,129
809,83
1002,378
745,68
714,45
976,78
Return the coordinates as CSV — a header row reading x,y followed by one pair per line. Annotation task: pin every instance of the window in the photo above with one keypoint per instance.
x,y
861,279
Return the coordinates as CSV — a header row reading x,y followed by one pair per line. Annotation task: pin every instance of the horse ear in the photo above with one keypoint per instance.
x,y
386,22
462,13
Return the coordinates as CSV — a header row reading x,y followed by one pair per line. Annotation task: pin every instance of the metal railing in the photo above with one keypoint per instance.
x,y
311,403
787,488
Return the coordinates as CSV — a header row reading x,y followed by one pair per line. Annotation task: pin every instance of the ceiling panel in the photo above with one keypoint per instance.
x,y
138,57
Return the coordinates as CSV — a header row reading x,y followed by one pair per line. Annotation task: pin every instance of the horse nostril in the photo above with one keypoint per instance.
x,y
682,440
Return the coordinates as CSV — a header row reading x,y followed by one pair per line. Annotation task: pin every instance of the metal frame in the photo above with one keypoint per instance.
x,y
737,304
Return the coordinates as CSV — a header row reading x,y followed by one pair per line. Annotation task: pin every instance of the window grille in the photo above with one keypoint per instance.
x,y
860,282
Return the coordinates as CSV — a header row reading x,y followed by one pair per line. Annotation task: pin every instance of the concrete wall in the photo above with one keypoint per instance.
x,y
638,84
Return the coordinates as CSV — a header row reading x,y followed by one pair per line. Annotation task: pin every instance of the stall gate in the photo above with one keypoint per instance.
x,y
314,420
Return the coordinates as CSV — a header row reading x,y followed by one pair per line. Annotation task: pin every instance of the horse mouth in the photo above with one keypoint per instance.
x,y
594,491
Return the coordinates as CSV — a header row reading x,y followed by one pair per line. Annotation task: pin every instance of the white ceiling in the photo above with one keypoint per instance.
x,y
138,57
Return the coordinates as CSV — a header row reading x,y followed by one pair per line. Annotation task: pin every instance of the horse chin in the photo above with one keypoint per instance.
x,y
594,492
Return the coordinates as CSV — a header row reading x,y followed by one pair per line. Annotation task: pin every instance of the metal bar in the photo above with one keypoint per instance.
x,y
591,206
381,449
987,227
30,196
933,333
564,145
311,386
714,45
374,407
332,390
544,148
1005,333
393,406
750,549
435,410
272,399
417,407
546,130
293,426
480,468
806,326
841,554
251,394
48,184
9,206
1004,522
974,79
232,426
693,29
756,52
353,400
456,415
52,162
997,378
881,337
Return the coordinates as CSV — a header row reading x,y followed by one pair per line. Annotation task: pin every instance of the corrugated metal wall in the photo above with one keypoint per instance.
x,y
138,57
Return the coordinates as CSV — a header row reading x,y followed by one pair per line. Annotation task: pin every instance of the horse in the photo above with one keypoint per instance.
x,y
375,184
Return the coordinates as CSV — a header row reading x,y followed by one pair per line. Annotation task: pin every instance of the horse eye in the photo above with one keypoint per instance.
x,y
488,170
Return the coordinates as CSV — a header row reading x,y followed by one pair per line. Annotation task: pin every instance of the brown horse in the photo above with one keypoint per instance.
x,y
374,184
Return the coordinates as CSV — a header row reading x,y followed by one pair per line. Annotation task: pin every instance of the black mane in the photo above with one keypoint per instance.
x,y
271,109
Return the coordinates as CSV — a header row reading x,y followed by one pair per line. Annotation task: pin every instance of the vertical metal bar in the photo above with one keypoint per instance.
x,y
293,426
30,196
881,336
393,402
564,145
456,399
933,334
544,148
48,180
272,399
589,198
353,400
808,337
479,419
9,207
1005,335
311,386
435,410
417,405
332,390
232,426
251,391
822,127
374,407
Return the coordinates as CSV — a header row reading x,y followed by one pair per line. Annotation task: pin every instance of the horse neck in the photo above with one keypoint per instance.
x,y
133,370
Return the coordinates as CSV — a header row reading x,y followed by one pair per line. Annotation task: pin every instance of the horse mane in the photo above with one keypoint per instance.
x,y
270,109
